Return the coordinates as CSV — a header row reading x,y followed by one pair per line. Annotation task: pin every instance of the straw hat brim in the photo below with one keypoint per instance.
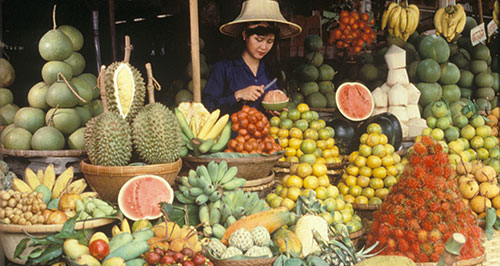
x,y
235,28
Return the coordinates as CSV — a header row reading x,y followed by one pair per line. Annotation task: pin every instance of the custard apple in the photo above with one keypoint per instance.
x,y
241,239
216,248
260,236
257,251
231,252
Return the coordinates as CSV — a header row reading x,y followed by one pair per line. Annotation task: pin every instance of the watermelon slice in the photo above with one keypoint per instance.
x,y
139,197
354,101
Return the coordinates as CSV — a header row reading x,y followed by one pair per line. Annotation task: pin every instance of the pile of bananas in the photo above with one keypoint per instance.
x,y
496,12
449,21
401,19
202,133
219,215
208,183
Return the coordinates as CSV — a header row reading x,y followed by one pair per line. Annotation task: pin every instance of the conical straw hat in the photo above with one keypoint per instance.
x,y
260,10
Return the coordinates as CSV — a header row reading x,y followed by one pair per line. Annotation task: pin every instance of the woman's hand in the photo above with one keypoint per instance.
x,y
250,93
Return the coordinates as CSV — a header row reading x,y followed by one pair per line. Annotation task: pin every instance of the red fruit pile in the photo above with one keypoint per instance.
x,y
253,133
186,257
424,209
353,30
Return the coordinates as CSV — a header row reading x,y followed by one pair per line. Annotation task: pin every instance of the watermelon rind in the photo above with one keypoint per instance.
x,y
340,106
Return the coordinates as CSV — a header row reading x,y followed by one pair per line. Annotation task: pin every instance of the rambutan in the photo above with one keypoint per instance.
x,y
420,148
398,233
437,171
391,219
435,218
427,225
434,206
438,148
445,206
426,248
439,248
415,160
448,172
382,240
429,162
429,182
421,257
403,245
401,223
415,247
391,244
442,227
435,256
413,225
411,236
412,184
427,140
410,255
435,235
383,229
422,236
421,214
426,194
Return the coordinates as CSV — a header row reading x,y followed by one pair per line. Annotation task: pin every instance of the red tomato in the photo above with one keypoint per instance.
x,y
365,17
344,13
99,249
199,259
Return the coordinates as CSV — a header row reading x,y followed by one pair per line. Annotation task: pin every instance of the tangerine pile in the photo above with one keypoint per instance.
x,y
353,31
253,133
424,209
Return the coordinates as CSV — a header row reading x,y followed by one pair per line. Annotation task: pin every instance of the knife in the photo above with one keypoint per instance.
x,y
270,84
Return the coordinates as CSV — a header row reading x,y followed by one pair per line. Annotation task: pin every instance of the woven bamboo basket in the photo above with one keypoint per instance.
x,y
249,168
479,261
491,248
11,235
249,262
37,153
107,180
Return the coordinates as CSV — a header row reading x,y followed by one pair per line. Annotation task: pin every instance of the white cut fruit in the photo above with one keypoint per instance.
x,y
416,127
379,110
397,76
405,129
380,98
400,112
413,94
398,95
413,111
386,88
395,57
304,231
124,81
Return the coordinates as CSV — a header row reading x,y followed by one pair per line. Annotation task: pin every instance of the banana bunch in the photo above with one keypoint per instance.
x,y
89,208
207,183
496,12
219,215
450,21
57,186
401,20
123,228
204,136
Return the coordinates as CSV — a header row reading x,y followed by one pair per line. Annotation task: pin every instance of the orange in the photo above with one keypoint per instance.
x,y
304,169
340,203
387,160
383,139
321,144
363,181
311,133
360,161
294,181
323,181
275,121
307,158
379,150
361,200
318,153
373,161
274,131
270,197
284,192
321,160
348,198
363,138
350,180
295,133
308,146
333,191
365,170
319,169
302,107
285,179
294,143
321,193
276,202
333,160
324,133
355,190
288,203
330,143
335,151
327,153
368,192
365,150
381,193
379,172
278,189
376,183
392,170
390,181
294,193
283,142
352,170
299,153
389,148
292,159
353,156
283,133
289,152
374,128
306,192
373,139
311,182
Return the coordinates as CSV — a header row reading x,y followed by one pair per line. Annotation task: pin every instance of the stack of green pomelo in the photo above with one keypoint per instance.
x,y
7,107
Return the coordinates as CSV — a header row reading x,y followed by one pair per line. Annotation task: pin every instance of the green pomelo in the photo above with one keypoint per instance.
x,y
59,94
51,69
451,93
478,66
466,79
314,58
7,73
308,88
95,107
92,81
495,102
450,74
203,83
6,97
76,140
66,120
313,43
412,70
37,95
47,138
466,92
29,118
365,58
413,39
427,111
496,81
6,131
326,72
484,79
84,90
298,98
483,105
17,139
368,72
480,52
55,45
487,93
7,113
84,113
330,100
428,70
439,109
47,193
204,69
456,107
74,35
326,87
451,134
77,63
431,92
411,53
460,120
183,96
434,47
470,23
308,72
453,48
461,58
316,100
465,43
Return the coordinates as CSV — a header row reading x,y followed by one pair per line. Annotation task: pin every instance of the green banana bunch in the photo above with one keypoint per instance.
x,y
450,21
401,20
207,183
219,215
496,11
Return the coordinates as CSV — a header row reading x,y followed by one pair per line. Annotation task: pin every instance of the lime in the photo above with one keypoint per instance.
x,y
427,131
331,130
275,121
431,121
379,150
390,181
443,122
311,133
308,146
307,158
482,154
381,192
365,150
315,125
477,142
452,133
301,124
490,142
483,131
374,128
286,123
460,120
375,201
368,192
324,133
494,152
439,109
283,115
468,132
293,114
437,134
477,121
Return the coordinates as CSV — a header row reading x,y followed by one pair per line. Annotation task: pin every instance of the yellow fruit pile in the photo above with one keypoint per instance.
x,y
304,137
373,169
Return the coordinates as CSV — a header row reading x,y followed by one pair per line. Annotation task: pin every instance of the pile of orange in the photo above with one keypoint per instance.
x,y
353,31
253,133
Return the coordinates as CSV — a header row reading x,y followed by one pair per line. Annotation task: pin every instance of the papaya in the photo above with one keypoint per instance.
x,y
130,250
119,240
285,238
271,219
143,235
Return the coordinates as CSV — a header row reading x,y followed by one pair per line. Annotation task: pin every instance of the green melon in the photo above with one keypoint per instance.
x,y
316,100
183,96
326,72
307,88
74,35
450,74
428,70
51,69
480,52
5,131
84,89
7,73
326,87
17,139
84,113
314,58
37,95
486,93
484,79
411,53
470,23
76,139
430,92
95,107
66,120
330,100
6,97
55,46
496,81
414,38
59,94
461,58
47,138
29,118
478,66
368,73
365,58
451,93
307,72
466,79
453,48
313,42
466,92
412,71
7,113
77,63
434,47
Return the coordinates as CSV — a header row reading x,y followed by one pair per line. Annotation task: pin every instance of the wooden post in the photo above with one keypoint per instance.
x,y
97,45
195,49
452,249
112,28
481,18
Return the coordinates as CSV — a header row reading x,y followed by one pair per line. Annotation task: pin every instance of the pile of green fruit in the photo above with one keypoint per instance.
x,y
314,85
7,107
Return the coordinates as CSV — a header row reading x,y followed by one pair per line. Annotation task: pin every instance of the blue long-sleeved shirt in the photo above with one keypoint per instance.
x,y
227,77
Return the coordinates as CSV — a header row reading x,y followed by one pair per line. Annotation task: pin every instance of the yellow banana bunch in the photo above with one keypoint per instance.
x,y
401,20
212,127
496,12
450,21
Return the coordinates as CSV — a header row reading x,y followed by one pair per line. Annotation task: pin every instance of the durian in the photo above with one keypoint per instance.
x,y
156,134
125,90
107,140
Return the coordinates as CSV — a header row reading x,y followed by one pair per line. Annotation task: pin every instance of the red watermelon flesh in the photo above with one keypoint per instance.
x,y
354,101
139,197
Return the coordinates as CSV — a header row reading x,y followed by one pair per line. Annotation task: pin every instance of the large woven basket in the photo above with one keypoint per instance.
x,y
470,262
11,235
250,262
248,167
107,180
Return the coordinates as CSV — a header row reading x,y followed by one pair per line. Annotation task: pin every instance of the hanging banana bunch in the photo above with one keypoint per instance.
x,y
496,12
401,19
449,21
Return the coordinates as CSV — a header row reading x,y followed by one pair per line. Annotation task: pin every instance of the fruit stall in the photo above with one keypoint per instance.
x,y
380,145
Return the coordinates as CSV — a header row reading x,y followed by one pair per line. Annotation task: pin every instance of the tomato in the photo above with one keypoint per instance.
x,y
243,123
242,132
371,21
352,20
368,30
337,33
346,45
355,15
359,42
265,131
178,257
344,13
188,263
257,134
167,260
240,139
242,115
235,126
245,108
234,118
344,20
248,146
357,49
232,144
260,125
355,34
365,16
252,118
339,45
362,25
199,259
99,249
251,128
